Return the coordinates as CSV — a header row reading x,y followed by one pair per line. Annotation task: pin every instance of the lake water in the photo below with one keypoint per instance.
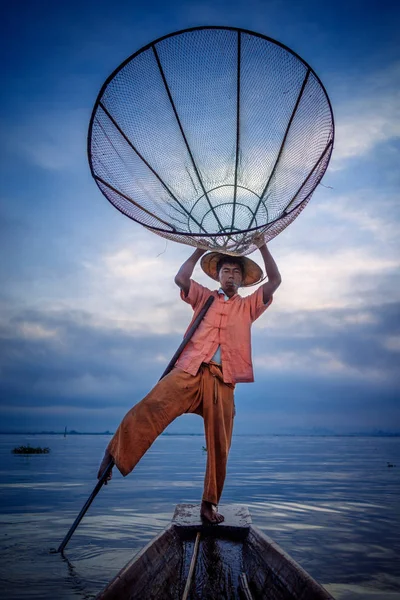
x,y
331,502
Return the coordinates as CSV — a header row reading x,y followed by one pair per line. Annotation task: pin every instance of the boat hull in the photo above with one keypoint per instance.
x,y
235,561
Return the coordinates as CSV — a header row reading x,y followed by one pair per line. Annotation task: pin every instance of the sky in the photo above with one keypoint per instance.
x,y
89,312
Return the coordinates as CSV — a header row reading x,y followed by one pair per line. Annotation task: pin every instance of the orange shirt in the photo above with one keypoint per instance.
x,y
226,324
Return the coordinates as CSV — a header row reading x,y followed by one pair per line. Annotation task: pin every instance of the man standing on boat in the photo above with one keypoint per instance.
x,y
216,358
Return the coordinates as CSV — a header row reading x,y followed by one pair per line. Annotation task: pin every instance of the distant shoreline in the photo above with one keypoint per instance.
x,y
299,434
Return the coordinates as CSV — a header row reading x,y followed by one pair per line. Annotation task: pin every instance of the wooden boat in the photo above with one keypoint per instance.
x,y
193,561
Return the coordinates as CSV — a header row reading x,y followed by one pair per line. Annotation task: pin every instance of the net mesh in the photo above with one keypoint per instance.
x,y
211,137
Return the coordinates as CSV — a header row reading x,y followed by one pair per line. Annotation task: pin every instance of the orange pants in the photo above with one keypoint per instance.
x,y
177,393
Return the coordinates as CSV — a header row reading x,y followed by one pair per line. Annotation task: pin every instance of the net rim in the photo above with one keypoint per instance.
x,y
328,149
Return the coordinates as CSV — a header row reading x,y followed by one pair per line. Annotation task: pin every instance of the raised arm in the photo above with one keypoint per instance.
x,y
274,277
182,278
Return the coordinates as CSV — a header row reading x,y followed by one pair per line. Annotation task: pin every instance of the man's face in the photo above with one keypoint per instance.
x,y
230,278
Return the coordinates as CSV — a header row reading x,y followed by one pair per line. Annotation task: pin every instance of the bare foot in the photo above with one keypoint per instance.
x,y
107,458
208,512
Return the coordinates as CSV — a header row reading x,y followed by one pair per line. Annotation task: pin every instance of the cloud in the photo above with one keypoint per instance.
x,y
369,211
317,360
371,117
36,331
90,367
129,282
345,278
392,342
342,252
136,288
349,344
294,404
81,362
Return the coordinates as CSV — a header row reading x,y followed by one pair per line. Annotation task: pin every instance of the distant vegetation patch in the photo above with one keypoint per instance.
x,y
29,450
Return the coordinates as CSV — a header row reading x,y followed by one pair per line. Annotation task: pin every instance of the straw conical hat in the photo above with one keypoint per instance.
x,y
252,272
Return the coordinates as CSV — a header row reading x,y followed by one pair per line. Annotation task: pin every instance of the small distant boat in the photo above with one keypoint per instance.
x,y
192,561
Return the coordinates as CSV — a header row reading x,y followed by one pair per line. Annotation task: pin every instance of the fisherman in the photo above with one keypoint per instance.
x,y
203,379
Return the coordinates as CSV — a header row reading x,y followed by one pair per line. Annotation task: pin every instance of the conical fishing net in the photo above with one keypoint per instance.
x,y
211,136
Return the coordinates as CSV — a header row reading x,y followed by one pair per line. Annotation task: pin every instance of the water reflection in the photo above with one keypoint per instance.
x,y
332,503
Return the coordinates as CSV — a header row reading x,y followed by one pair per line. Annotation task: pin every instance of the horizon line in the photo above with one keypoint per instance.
x,y
374,433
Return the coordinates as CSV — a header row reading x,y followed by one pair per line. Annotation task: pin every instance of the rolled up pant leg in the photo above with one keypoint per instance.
x,y
177,393
218,413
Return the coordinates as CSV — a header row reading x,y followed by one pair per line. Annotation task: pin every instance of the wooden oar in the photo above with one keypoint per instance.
x,y
107,470
187,337
85,507
192,567
245,587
